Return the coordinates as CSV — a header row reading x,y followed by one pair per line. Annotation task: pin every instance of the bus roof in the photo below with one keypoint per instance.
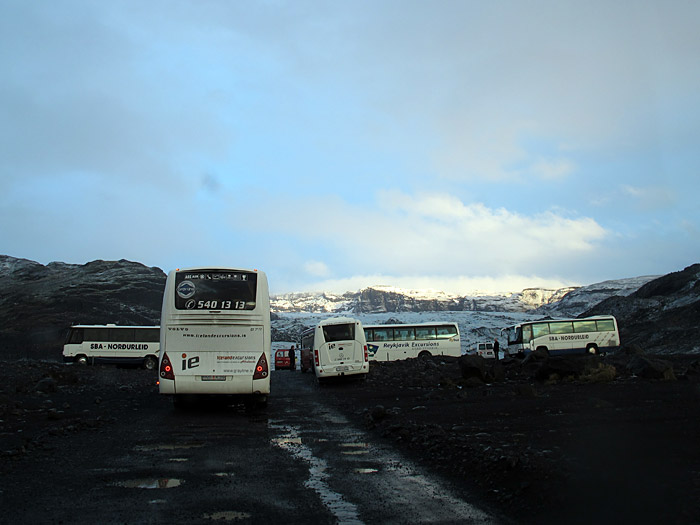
x,y
218,269
408,324
112,326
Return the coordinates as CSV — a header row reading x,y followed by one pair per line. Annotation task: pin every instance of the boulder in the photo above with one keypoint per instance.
x,y
651,368
560,367
475,367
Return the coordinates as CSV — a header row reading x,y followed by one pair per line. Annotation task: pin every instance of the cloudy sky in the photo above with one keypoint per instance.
x,y
452,145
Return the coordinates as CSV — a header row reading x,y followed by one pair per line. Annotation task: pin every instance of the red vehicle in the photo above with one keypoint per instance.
x,y
282,360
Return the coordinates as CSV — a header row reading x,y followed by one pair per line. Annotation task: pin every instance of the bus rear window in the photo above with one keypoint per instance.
x,y
215,290
338,332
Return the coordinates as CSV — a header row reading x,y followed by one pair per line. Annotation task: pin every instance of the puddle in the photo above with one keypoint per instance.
x,y
286,440
150,483
151,448
344,511
354,449
227,515
178,460
223,474
366,470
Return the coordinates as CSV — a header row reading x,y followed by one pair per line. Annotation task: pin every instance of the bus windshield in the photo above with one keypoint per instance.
x,y
215,290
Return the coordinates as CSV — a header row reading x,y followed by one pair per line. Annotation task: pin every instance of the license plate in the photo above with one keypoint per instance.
x,y
213,378
342,368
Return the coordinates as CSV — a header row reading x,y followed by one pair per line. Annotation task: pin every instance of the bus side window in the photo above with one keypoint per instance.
x,y
527,333
76,336
121,335
100,335
561,327
425,333
382,334
584,326
404,334
151,335
605,325
445,332
538,330
369,334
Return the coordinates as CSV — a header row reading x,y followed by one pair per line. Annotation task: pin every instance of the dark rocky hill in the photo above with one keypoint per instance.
x,y
39,303
663,316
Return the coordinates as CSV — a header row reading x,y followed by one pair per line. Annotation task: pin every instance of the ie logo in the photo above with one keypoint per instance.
x,y
185,289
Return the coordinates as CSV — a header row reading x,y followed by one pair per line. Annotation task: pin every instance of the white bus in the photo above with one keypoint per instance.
x,y
592,335
136,345
336,347
215,334
390,342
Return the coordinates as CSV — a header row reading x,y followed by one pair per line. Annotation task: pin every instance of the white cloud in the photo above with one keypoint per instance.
x,y
649,198
316,268
416,234
458,285
553,169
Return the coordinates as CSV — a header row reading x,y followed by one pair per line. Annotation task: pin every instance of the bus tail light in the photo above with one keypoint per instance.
x,y
166,368
366,354
316,357
261,369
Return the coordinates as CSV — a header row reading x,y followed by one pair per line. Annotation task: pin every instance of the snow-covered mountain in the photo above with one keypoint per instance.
x,y
40,302
579,300
562,302
381,299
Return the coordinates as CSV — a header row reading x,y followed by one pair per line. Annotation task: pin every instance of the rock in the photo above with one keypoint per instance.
x,y
651,368
631,350
473,366
561,367
45,301
46,385
526,390
378,413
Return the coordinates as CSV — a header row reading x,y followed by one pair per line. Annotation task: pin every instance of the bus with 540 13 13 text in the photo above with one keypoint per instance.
x,y
591,335
391,342
215,335
111,343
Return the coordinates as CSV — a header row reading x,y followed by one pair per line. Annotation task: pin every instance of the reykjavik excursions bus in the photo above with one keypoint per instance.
x,y
215,334
592,335
335,347
390,342
135,345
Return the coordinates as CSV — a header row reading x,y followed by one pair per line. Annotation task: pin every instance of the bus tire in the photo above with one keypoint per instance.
x,y
81,360
150,363
592,350
425,354
542,349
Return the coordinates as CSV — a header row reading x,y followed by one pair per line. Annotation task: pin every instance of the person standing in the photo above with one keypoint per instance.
x,y
292,358
496,348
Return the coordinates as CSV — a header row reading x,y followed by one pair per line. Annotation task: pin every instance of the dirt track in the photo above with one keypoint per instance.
x,y
552,451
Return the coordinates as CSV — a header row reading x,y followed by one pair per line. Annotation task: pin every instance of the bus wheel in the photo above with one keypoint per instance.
x,y
592,349
150,363
81,360
425,354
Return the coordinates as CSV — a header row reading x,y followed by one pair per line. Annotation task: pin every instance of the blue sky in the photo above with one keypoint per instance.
x,y
451,145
